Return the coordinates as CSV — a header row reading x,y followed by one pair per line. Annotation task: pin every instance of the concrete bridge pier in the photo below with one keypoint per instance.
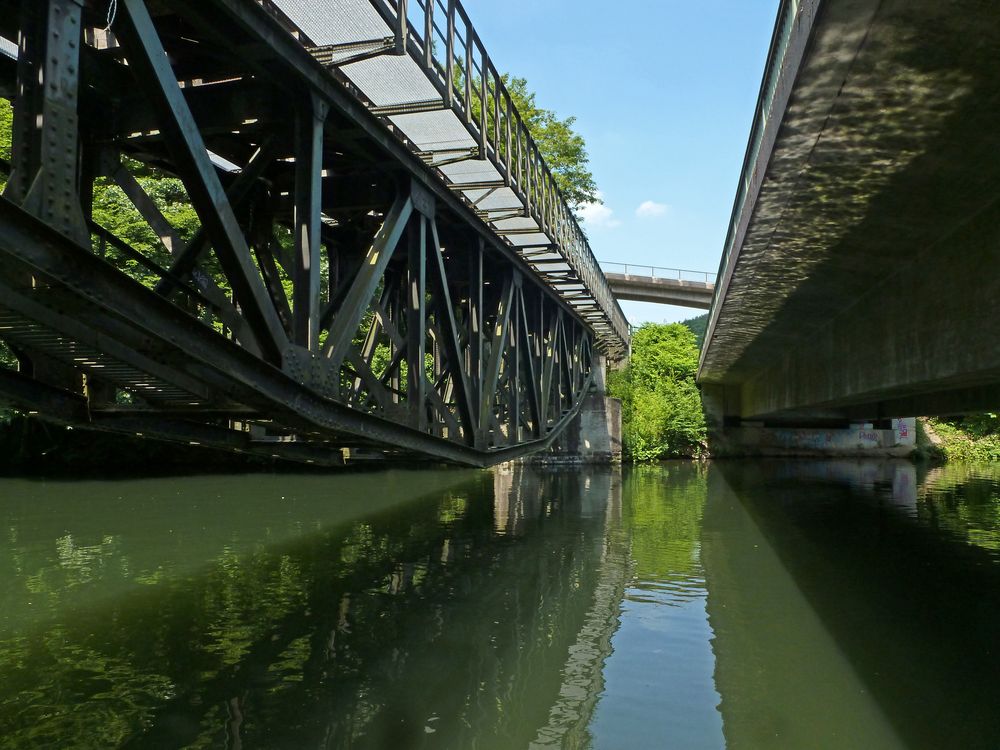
x,y
815,433
595,434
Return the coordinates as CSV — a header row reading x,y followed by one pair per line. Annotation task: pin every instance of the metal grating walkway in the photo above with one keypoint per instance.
x,y
465,127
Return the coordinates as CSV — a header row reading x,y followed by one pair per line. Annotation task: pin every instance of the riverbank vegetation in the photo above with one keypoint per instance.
x,y
698,326
974,438
662,415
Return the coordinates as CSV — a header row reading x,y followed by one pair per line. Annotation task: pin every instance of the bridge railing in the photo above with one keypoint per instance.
x,y
659,272
440,38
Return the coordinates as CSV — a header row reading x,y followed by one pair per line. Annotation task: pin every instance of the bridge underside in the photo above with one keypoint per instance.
x,y
329,291
862,279
679,292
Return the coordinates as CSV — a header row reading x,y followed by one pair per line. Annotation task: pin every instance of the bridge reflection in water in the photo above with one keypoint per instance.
x,y
853,606
450,608
828,604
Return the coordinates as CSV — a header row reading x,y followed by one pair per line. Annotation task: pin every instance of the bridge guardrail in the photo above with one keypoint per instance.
x,y
458,66
467,78
659,272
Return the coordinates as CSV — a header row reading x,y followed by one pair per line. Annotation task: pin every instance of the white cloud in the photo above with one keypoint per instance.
x,y
651,209
598,216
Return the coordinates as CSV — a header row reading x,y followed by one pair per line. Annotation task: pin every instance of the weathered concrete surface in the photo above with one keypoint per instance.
x,y
859,440
863,283
593,437
680,292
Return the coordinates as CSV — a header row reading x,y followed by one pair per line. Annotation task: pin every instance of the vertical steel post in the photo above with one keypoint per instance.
x,y
468,72
483,104
308,207
429,35
450,56
402,27
416,320
46,141
529,174
496,116
518,165
509,113
475,331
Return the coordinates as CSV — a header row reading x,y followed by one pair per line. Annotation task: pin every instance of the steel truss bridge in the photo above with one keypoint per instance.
x,y
382,259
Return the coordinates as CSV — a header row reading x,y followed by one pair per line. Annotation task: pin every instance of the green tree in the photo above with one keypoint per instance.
x,y
662,415
663,352
114,211
564,150
698,325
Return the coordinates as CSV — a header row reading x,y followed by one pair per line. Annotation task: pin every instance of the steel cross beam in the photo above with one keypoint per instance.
x,y
335,295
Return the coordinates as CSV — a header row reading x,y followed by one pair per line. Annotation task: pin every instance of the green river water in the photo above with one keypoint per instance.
x,y
834,604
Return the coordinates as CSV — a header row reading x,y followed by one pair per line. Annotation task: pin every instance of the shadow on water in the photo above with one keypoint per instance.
x,y
801,604
408,609
854,606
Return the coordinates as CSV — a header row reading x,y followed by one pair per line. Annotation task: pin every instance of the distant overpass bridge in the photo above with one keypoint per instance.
x,y
382,259
859,278
663,286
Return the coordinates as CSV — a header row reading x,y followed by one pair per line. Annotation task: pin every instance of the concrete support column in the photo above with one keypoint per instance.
x,y
600,367
721,402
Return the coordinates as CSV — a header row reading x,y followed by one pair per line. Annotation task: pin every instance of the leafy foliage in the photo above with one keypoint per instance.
x,y
6,135
564,150
698,326
985,424
114,211
974,438
662,415
7,358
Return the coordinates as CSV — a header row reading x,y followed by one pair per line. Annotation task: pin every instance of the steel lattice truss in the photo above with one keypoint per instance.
x,y
336,293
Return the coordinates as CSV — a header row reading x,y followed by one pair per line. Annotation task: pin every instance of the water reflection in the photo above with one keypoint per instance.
x,y
790,604
962,500
421,609
659,689
854,607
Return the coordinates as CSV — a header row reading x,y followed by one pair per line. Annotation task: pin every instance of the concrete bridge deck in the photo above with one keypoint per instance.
x,y
663,286
859,276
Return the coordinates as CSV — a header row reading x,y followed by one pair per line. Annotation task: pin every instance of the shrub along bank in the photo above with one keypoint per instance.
x,y
974,438
662,416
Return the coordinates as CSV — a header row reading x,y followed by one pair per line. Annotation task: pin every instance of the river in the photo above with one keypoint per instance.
x,y
834,604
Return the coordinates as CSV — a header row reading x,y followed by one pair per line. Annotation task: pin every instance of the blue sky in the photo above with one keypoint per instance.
x,y
663,92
